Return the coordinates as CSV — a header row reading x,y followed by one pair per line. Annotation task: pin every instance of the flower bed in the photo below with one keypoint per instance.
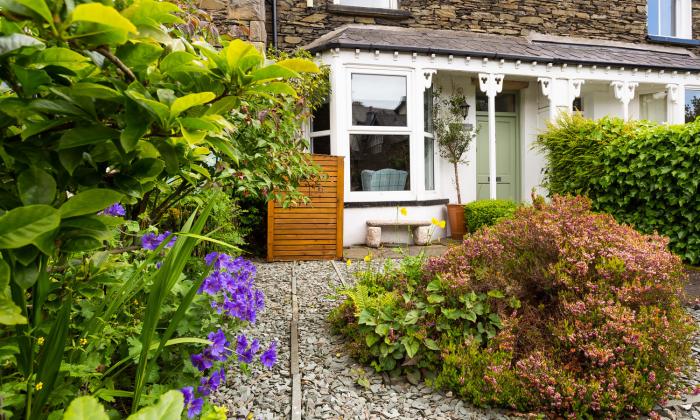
x,y
557,310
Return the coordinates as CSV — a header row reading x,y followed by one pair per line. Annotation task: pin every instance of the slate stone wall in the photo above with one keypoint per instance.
x,y
620,20
241,18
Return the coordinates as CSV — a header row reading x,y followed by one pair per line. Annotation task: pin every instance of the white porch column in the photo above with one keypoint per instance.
x,y
675,103
624,92
491,84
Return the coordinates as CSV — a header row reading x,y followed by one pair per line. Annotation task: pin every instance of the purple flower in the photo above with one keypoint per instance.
x,y
188,393
195,408
151,241
218,349
115,209
244,352
269,356
204,388
200,362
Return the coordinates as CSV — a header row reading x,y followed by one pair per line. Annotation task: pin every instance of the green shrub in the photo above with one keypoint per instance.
x,y
644,174
557,310
487,212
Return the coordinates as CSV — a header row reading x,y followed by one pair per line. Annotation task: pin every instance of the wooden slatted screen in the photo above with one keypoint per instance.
x,y
312,231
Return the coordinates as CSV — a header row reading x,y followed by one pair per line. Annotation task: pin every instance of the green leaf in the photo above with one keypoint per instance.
x,y
30,79
15,42
152,13
434,286
382,329
497,294
411,317
235,50
436,298
22,225
157,109
300,65
104,15
224,105
411,344
366,318
169,407
89,202
470,316
85,408
39,7
273,71
188,101
61,57
36,186
371,339
431,344
83,136
10,314
4,275
452,313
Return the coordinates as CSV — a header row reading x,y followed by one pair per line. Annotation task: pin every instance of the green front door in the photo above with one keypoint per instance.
x,y
507,174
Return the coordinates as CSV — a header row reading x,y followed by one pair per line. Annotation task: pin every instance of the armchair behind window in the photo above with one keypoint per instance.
x,y
384,180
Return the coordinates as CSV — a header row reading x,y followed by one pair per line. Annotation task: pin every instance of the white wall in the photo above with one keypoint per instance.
x,y
534,115
355,223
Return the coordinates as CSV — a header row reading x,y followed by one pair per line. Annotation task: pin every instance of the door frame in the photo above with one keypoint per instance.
x,y
518,164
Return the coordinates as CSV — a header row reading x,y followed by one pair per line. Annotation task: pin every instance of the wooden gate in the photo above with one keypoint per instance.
x,y
313,231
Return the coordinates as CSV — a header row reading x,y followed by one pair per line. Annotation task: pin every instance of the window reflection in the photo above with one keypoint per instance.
x,y
692,105
379,100
383,4
379,162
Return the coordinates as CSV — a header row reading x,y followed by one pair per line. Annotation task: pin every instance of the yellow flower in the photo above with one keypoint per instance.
x,y
39,386
136,302
403,211
442,224
83,341
40,341
368,257
435,222
348,262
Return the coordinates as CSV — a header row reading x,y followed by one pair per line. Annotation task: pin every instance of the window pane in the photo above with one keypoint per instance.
x,y
652,107
653,16
667,17
321,145
379,163
429,163
322,118
692,105
428,110
378,100
384,4
505,102
578,104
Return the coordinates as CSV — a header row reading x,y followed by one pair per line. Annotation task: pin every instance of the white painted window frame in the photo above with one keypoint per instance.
x,y
394,4
684,20
683,92
414,130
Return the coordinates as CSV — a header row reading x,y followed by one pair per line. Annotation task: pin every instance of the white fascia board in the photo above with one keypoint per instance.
x,y
533,69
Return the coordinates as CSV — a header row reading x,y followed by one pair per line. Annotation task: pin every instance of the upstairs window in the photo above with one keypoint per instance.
x,y
376,4
669,18
662,17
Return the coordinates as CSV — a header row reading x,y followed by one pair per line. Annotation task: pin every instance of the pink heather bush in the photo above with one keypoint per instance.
x,y
601,332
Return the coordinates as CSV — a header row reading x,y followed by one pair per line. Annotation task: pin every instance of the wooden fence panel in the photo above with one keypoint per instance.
x,y
312,231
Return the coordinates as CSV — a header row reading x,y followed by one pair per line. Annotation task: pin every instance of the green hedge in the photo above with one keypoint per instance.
x,y
644,174
487,212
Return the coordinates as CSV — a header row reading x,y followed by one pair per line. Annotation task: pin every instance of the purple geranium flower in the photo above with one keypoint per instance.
x,y
269,356
151,241
188,393
200,362
115,209
195,408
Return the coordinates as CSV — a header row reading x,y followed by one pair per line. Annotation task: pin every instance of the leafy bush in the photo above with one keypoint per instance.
x,y
644,174
116,111
557,310
487,212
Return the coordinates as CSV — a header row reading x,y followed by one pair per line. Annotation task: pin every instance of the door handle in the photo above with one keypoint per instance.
x,y
498,179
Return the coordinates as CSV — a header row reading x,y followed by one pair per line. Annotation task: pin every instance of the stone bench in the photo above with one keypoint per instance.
x,y
421,230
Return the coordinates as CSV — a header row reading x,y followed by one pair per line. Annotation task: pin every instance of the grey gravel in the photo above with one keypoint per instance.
x,y
330,378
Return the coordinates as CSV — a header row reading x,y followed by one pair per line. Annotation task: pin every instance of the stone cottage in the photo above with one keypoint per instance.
x,y
519,62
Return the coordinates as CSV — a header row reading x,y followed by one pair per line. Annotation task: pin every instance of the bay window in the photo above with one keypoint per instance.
x,y
380,141
320,132
428,140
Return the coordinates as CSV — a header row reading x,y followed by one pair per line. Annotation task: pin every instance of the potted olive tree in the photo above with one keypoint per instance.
x,y
454,136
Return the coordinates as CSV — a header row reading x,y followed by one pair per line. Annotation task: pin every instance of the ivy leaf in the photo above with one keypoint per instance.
x,y
89,202
22,225
36,186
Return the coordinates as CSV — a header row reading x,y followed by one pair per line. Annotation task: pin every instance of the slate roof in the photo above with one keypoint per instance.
x,y
458,43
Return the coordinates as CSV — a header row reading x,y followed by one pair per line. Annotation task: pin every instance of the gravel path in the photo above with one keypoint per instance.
x,y
329,378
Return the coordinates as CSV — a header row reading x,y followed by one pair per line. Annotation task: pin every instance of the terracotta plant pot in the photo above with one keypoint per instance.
x,y
455,216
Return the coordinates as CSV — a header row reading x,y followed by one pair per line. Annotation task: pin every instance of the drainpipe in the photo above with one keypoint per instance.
x,y
274,23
